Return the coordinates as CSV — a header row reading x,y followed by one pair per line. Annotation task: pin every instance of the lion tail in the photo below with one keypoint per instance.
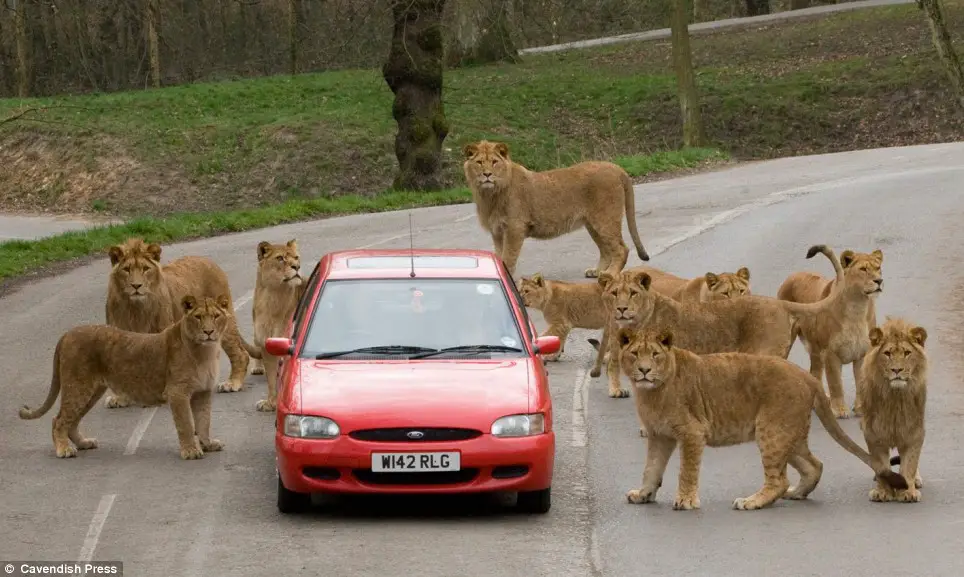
x,y
629,197
26,412
822,407
253,351
828,252
796,308
600,353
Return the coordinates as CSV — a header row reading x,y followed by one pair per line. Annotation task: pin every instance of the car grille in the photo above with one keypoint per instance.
x,y
424,478
400,435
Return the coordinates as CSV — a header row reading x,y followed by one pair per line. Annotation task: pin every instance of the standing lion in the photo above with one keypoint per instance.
x,y
514,203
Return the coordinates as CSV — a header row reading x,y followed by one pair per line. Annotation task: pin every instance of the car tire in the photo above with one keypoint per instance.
x,y
534,501
292,501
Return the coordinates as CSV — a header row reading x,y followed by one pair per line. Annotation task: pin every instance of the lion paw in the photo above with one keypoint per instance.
x,y
908,496
257,367
117,402
266,406
840,410
212,445
592,272
643,432
878,495
746,504
794,493
595,373
86,444
618,393
66,452
230,387
918,482
640,496
686,503
190,453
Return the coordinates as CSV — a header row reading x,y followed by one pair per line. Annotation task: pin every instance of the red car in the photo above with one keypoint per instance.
x,y
413,372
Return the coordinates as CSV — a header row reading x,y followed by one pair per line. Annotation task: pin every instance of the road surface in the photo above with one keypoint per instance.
x,y
20,227
133,500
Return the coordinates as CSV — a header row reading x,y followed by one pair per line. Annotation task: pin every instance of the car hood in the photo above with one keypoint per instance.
x,y
425,393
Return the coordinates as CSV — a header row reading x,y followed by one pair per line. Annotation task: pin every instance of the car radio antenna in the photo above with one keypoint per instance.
x,y
411,245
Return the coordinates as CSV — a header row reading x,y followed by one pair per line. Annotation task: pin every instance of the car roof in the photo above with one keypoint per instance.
x,y
397,263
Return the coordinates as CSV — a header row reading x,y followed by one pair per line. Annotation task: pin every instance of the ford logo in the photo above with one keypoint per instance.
x,y
415,434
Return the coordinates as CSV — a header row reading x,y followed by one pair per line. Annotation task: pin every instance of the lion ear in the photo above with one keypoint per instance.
x,y
154,251
643,279
919,335
846,258
538,280
879,255
470,150
711,280
743,273
223,301
263,247
876,335
293,244
502,149
666,338
604,279
116,253
188,303
624,337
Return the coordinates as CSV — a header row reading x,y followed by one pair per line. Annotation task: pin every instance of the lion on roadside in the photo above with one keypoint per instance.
x,y
713,286
567,305
144,296
178,366
277,289
893,395
850,330
514,203
724,399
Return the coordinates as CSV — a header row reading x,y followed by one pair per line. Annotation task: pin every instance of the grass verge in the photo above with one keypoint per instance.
x,y
24,256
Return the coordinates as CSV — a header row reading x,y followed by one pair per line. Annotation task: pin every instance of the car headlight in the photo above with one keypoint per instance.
x,y
307,427
519,425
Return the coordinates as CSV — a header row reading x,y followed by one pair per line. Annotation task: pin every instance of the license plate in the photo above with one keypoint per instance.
x,y
415,462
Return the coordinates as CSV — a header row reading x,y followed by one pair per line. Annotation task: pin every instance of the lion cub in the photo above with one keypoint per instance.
x,y
712,286
276,292
178,366
893,395
724,399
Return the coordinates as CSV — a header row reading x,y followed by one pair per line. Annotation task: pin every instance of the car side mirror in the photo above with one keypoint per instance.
x,y
279,347
547,345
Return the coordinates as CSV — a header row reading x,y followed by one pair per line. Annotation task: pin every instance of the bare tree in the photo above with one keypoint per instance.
x,y
757,7
19,8
483,32
689,99
151,12
943,45
414,74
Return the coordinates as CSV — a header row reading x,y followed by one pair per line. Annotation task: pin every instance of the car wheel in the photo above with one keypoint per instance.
x,y
535,501
292,501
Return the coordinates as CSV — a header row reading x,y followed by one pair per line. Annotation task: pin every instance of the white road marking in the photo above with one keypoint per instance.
x,y
96,526
465,218
579,403
243,300
139,430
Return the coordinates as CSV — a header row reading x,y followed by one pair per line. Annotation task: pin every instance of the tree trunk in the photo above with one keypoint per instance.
x,y
757,7
23,58
483,33
413,72
942,43
700,9
689,99
153,45
294,40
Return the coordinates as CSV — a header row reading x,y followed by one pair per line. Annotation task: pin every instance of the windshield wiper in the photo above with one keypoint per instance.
x,y
468,349
379,350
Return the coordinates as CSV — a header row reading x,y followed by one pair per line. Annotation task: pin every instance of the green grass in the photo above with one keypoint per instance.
x,y
19,257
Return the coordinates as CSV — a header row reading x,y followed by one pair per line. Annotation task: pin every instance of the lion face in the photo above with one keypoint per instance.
x,y
646,357
728,284
533,291
486,164
899,358
205,321
280,264
627,295
136,268
863,270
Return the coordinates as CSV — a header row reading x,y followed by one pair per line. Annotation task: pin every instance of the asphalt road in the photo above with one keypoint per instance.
x,y
133,500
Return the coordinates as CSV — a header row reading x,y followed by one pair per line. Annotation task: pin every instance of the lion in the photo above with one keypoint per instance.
x,y
893,395
713,286
851,342
514,203
567,305
278,288
725,399
178,366
144,296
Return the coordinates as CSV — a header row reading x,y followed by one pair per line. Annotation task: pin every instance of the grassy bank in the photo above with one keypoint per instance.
x,y
854,80
19,257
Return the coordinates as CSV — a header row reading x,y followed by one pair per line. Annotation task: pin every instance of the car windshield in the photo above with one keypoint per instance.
x,y
412,317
